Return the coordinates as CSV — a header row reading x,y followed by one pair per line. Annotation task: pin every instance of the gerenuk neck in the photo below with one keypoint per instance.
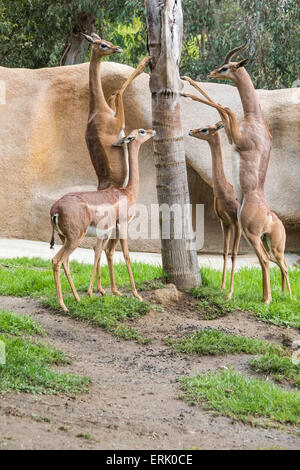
x,y
97,98
247,93
218,174
134,179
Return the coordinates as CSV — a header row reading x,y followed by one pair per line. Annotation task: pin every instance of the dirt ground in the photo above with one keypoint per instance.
x,y
134,399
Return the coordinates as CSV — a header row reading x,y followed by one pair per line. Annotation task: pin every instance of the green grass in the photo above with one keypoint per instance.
x,y
232,394
27,363
108,312
212,303
19,324
27,369
34,278
149,285
280,368
85,435
283,311
24,277
214,342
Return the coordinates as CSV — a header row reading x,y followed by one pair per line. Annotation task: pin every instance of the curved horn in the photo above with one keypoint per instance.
x,y
235,51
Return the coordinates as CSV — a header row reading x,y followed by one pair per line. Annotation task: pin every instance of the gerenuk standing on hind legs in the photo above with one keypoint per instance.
x,y
252,147
106,120
106,124
225,202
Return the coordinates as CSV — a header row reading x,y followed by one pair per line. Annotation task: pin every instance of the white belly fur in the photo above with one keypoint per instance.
x,y
239,211
92,231
126,156
236,175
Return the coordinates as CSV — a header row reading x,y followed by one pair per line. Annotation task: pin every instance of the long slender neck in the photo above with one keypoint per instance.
x,y
97,98
247,92
134,179
252,107
218,174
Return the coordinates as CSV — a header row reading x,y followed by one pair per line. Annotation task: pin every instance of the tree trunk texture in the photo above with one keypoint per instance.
x,y
75,51
164,23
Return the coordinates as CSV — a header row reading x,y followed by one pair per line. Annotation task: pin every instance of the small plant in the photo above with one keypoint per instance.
x,y
83,435
63,428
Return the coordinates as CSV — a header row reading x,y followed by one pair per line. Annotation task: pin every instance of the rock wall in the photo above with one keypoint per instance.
x,y
44,154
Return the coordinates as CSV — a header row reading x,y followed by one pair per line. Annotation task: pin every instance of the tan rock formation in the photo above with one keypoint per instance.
x,y
44,154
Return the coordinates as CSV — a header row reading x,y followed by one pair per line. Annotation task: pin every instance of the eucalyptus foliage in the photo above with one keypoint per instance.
x,y
272,29
34,33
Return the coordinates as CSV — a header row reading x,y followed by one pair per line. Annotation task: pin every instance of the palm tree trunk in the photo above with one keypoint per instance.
x,y
179,257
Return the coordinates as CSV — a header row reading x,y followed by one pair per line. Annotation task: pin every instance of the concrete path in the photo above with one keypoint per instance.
x,y
12,248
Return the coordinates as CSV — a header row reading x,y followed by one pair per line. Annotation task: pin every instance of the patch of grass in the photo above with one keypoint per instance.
x,y
282,311
63,428
28,263
214,342
34,278
153,285
232,394
27,369
25,277
212,304
280,368
41,419
19,324
107,311
130,334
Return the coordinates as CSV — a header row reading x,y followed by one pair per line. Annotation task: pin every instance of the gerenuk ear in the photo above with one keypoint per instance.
x,y
124,140
95,36
88,38
242,63
219,125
